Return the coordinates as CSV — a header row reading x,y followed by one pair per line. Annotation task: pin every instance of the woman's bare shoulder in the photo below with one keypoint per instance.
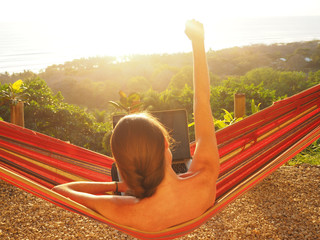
x,y
193,195
185,198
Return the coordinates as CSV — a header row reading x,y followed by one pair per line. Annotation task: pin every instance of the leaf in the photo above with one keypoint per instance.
x,y
191,124
134,97
124,102
238,119
137,105
228,116
118,106
220,124
122,94
16,86
115,104
123,98
254,108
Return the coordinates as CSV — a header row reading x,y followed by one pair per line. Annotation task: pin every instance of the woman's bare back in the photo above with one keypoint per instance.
x,y
177,200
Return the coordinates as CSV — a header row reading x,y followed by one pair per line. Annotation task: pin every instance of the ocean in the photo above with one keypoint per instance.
x,y
28,46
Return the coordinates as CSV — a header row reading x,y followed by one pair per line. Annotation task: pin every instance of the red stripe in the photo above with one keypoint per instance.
x,y
237,176
226,166
59,164
50,144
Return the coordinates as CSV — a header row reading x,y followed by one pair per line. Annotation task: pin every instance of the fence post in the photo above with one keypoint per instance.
x,y
239,105
17,114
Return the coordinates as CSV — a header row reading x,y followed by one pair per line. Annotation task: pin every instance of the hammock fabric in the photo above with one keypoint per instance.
x,y
250,150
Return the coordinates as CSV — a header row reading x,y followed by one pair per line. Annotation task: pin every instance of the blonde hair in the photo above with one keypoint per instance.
x,y
138,146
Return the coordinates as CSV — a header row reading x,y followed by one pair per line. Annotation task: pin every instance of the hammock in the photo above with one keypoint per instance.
x,y
250,150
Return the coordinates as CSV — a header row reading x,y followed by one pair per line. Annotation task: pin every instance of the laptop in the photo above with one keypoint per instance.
x,y
176,123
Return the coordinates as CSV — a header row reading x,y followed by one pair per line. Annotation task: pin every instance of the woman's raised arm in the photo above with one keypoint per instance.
x,y
206,155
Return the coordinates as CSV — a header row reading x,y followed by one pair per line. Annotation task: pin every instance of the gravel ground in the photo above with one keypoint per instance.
x,y
286,205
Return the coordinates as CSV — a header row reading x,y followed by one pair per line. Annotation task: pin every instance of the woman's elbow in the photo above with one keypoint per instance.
x,y
61,189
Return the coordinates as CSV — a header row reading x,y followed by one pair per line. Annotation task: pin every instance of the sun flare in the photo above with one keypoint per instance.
x,y
65,30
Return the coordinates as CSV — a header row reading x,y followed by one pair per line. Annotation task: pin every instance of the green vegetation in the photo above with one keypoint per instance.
x,y
75,101
49,114
228,119
14,93
311,155
129,104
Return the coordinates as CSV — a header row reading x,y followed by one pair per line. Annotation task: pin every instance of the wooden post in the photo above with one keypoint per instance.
x,y
239,105
17,114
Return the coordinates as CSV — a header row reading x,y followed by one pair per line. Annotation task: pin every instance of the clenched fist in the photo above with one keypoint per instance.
x,y
194,30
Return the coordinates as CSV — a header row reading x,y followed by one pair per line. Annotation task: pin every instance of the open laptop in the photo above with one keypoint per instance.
x,y
176,123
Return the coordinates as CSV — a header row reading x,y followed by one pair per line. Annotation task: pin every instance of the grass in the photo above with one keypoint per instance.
x,y
311,155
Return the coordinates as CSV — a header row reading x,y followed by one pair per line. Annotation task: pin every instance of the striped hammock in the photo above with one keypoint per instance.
x,y
250,150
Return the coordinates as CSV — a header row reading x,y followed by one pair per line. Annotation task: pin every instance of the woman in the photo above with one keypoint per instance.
x,y
158,197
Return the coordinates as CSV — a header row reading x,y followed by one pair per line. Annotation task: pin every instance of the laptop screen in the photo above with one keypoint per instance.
x,y
176,123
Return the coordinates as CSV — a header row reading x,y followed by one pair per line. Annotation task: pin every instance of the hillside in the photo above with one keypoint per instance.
x,y
92,82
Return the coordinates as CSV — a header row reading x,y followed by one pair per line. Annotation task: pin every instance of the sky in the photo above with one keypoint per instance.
x,y
122,27
146,10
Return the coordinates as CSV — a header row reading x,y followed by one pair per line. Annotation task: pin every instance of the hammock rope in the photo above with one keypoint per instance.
x,y
250,150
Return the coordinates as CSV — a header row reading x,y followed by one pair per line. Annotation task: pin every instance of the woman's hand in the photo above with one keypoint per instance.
x,y
194,30
122,187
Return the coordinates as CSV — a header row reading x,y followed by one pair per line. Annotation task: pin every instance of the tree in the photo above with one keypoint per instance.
x,y
290,83
186,99
258,75
161,77
138,84
222,97
48,114
151,100
184,76
313,78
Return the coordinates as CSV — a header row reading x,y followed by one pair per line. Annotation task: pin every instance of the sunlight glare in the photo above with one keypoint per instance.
x,y
89,28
